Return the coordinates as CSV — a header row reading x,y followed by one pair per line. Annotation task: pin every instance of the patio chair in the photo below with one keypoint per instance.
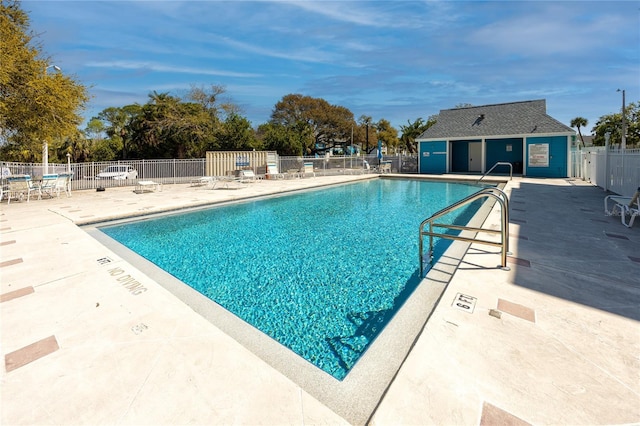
x,y
19,185
63,183
48,185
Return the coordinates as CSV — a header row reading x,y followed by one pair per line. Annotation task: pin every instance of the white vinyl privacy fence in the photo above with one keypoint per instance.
x,y
613,170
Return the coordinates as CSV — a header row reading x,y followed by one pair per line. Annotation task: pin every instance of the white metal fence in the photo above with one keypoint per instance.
x,y
613,170
172,171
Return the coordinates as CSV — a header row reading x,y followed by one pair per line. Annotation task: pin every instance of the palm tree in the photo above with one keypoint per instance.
x,y
579,122
411,131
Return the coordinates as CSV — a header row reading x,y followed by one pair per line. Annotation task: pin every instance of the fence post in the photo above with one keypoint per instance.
x,y
606,160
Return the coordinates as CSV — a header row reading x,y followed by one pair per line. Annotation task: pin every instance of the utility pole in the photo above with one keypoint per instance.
x,y
623,137
366,149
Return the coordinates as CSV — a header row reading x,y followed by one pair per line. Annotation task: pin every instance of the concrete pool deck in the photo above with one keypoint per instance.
x,y
88,338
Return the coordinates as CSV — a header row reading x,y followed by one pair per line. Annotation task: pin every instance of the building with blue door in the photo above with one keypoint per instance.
x,y
474,139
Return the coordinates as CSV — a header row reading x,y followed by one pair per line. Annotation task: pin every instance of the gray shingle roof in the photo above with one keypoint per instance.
x,y
515,118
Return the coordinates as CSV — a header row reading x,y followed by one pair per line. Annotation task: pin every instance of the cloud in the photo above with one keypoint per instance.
x,y
304,54
159,67
547,29
350,12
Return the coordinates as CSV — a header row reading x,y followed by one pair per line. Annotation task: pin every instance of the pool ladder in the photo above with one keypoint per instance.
x,y
494,193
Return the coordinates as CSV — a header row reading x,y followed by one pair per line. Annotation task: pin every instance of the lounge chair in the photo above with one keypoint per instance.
x,y
209,181
147,186
307,169
292,173
229,183
245,176
632,210
623,207
272,172
20,185
235,179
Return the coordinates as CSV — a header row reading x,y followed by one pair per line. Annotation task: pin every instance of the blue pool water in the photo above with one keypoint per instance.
x,y
321,272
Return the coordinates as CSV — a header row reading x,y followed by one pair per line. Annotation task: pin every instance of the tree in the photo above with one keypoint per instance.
x,y
317,124
209,99
78,147
35,105
236,134
579,122
116,123
413,130
366,136
387,134
95,129
166,127
612,124
276,137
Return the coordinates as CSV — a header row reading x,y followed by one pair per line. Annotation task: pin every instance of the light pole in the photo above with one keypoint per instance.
x,y
55,67
623,137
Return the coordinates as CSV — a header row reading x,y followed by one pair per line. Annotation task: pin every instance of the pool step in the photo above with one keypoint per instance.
x,y
349,348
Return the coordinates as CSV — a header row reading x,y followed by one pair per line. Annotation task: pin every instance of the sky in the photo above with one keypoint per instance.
x,y
395,60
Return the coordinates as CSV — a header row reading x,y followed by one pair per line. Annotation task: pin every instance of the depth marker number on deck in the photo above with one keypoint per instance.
x,y
464,302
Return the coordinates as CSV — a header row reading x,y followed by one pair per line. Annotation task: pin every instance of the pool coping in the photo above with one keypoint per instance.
x,y
356,397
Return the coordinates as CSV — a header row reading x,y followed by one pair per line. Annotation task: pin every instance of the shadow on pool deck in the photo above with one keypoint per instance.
x,y
553,341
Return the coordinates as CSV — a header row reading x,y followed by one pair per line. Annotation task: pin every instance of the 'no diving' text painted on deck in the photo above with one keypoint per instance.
x,y
464,302
127,281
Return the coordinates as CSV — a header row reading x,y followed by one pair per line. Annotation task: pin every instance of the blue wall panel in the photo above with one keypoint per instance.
x,y
433,157
557,158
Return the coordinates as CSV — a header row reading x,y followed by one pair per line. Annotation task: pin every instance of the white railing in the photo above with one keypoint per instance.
x,y
613,170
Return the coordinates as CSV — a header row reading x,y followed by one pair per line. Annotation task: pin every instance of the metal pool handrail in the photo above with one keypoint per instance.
x,y
495,193
499,163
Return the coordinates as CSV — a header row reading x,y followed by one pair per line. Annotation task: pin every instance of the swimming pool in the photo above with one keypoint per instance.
x,y
321,272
